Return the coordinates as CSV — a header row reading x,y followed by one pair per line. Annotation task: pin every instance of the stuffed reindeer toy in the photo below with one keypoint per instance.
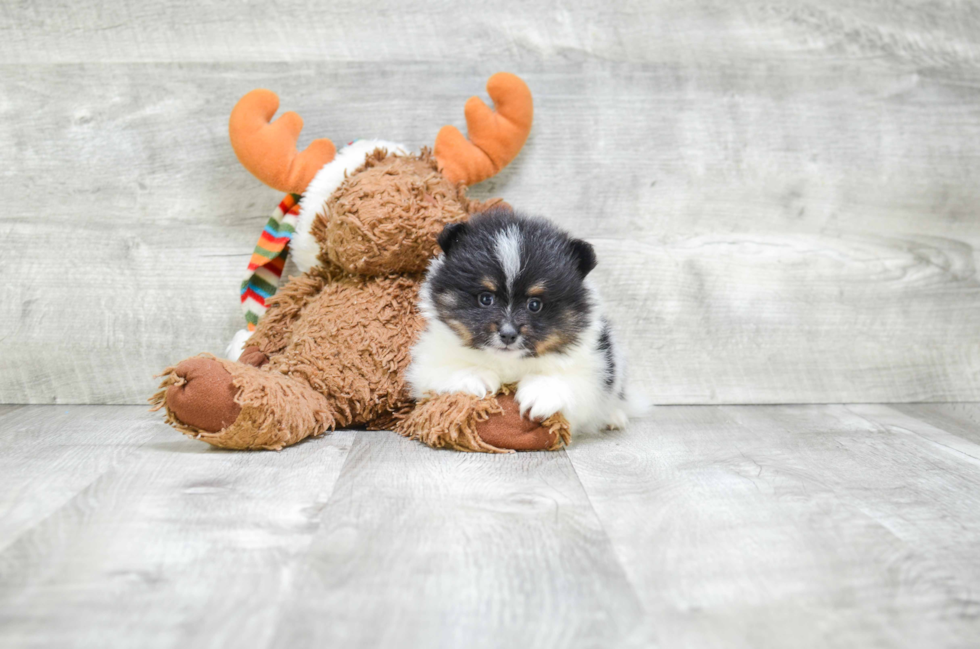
x,y
330,348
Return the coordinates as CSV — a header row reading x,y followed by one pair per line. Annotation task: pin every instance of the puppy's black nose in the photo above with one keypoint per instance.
x,y
508,334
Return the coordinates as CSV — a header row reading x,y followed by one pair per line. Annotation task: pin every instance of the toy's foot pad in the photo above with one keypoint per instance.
x,y
203,395
510,430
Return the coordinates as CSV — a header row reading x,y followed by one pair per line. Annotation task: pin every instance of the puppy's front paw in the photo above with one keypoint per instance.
x,y
542,396
478,382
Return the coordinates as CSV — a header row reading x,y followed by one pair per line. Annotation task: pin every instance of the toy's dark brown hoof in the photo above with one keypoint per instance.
x,y
204,395
510,430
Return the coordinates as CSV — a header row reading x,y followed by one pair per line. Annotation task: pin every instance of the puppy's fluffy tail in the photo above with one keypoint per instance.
x,y
636,403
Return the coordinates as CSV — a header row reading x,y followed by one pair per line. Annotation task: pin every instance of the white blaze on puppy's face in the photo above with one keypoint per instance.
x,y
508,249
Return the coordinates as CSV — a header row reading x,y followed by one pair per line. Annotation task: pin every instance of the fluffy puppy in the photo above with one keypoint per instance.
x,y
508,301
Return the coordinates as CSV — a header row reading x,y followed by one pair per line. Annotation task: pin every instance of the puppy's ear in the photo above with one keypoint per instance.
x,y
584,256
451,234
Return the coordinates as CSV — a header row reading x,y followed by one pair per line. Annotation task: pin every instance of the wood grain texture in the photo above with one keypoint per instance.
x,y
527,33
162,541
962,419
699,526
941,439
49,455
783,197
804,526
7,409
423,548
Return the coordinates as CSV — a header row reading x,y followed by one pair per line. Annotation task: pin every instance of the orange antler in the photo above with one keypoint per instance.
x,y
496,137
267,150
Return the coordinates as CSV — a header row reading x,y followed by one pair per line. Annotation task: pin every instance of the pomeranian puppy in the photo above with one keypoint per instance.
x,y
508,301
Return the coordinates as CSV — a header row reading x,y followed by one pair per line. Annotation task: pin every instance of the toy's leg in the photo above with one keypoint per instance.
x,y
234,405
490,425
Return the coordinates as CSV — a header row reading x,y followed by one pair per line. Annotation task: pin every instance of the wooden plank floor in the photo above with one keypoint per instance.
x,y
701,526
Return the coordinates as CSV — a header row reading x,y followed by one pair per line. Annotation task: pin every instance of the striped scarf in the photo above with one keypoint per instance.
x,y
268,260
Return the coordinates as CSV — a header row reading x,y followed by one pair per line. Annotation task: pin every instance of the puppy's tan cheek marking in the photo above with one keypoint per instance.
x,y
537,289
461,331
488,284
549,344
493,327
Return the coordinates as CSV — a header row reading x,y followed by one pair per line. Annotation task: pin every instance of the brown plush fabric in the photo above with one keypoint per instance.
x,y
253,356
276,411
352,345
449,421
284,307
202,394
492,425
333,347
385,218
510,430
475,207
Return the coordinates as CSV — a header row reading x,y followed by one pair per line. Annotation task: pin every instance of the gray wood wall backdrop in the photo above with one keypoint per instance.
x,y
784,196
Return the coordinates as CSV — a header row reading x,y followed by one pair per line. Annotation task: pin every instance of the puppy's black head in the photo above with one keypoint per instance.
x,y
512,283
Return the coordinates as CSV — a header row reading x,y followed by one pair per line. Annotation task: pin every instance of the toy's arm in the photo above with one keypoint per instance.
x,y
272,333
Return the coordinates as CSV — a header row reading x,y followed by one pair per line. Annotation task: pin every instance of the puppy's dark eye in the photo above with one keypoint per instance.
x,y
534,305
486,299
